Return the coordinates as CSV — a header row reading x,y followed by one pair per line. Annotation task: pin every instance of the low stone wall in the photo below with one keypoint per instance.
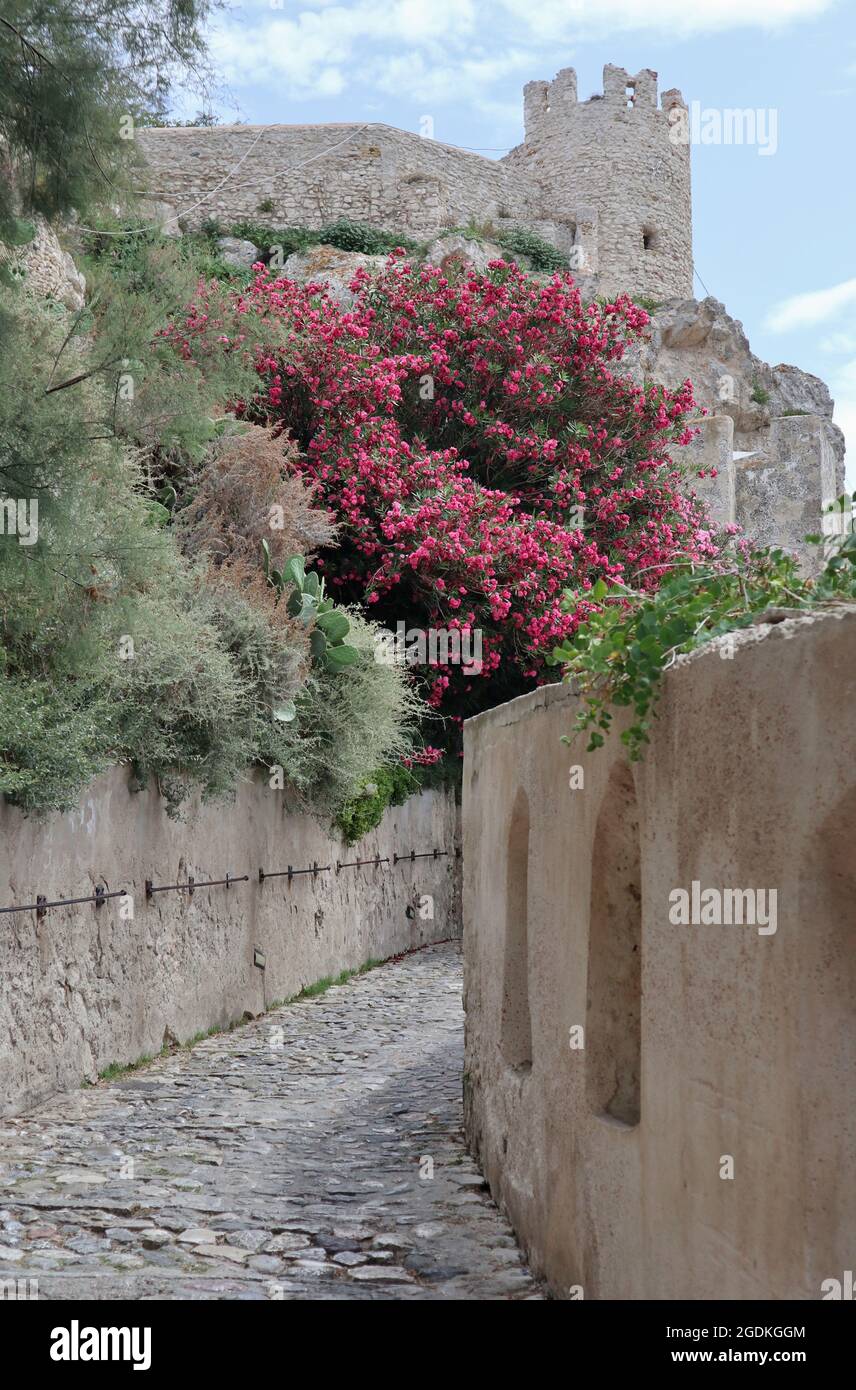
x,y
666,1111
84,987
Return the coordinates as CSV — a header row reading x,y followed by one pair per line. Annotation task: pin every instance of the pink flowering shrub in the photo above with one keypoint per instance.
x,y
480,449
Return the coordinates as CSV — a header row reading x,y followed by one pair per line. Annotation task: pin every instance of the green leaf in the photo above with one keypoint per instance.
x,y
294,570
318,644
158,514
306,611
266,557
334,625
342,656
285,712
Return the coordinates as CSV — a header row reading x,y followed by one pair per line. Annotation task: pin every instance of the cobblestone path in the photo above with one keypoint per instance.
x,y
291,1158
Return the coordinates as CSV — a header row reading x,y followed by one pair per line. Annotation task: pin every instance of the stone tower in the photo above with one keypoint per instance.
x,y
616,171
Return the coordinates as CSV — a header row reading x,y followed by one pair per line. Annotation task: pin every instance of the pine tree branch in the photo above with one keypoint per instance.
x,y
69,335
27,43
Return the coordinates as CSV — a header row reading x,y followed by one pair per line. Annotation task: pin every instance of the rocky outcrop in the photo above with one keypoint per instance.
x,y
795,392
450,252
787,456
699,339
332,268
161,215
237,252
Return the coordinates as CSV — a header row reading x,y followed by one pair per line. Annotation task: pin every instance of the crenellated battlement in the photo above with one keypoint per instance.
x,y
614,153
547,105
637,93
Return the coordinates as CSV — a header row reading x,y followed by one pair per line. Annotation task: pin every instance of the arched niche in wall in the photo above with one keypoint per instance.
x,y
614,986
516,1024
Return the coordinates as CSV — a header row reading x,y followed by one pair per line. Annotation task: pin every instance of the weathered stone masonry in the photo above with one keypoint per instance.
x,y
84,987
610,163
601,176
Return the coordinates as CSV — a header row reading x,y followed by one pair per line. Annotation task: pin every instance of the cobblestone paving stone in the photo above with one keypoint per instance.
x,y
282,1160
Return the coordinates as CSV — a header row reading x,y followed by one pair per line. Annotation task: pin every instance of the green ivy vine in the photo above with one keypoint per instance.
x,y
618,657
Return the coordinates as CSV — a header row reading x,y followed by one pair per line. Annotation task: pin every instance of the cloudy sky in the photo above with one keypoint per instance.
x,y
774,232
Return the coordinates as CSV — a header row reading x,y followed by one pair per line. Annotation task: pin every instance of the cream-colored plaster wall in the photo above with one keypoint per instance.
x,y
745,1042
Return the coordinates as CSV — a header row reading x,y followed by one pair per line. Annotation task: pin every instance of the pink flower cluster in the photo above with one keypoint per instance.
x,y
480,447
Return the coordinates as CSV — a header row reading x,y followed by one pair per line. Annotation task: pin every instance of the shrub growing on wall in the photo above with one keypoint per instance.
x,y
540,253
106,648
345,725
116,647
480,450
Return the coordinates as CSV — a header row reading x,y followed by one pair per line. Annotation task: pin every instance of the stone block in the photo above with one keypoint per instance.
x,y
712,452
783,487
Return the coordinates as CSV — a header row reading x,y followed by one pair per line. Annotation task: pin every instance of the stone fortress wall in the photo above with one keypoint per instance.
x,y
772,456
392,179
601,176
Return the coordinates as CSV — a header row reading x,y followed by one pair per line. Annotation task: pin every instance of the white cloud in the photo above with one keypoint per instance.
x,y
601,18
844,381
806,310
556,19
841,342
450,80
506,117
438,49
301,52
254,43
